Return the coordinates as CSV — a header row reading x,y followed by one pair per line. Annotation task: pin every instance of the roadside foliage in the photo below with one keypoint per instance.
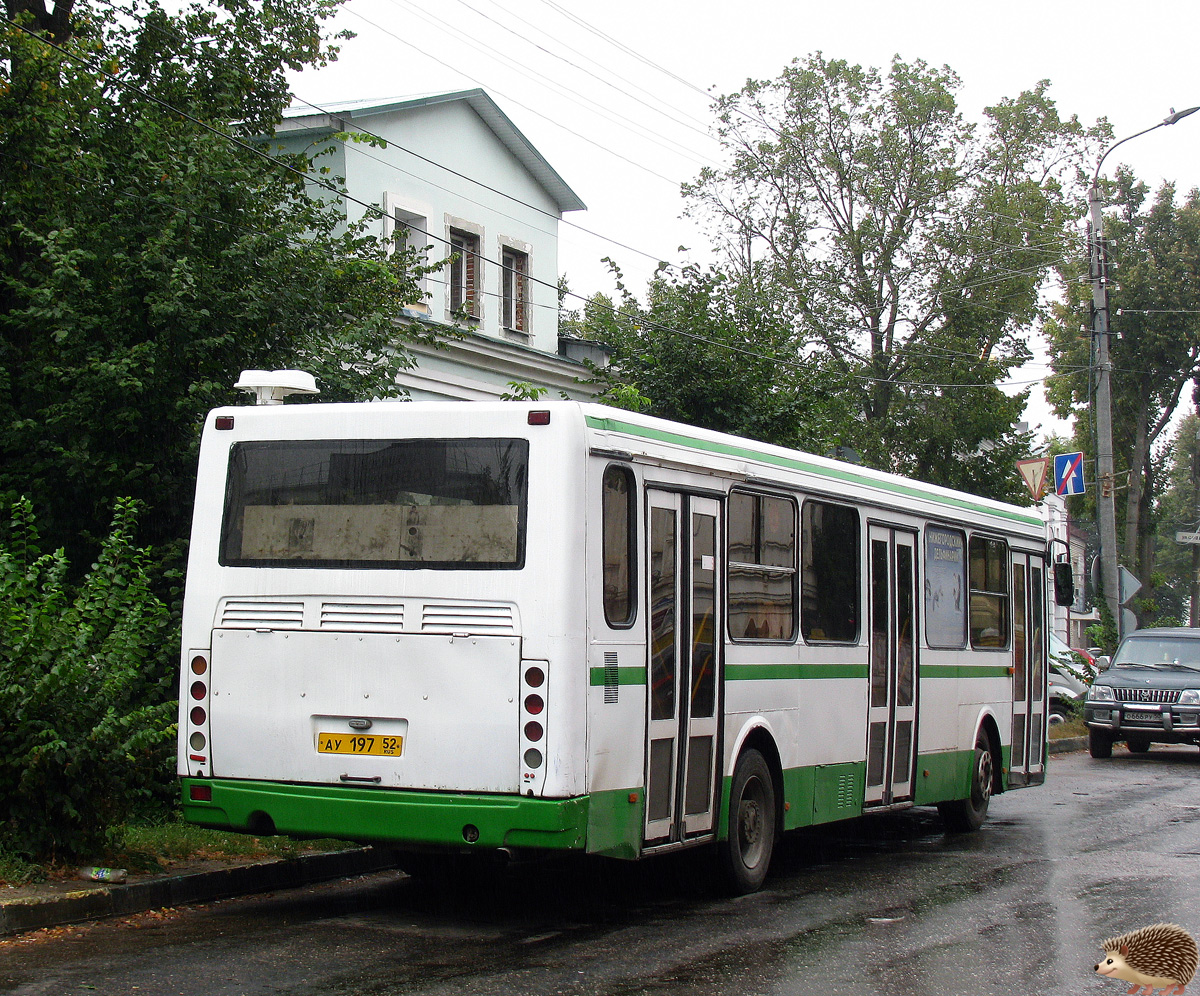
x,y
87,729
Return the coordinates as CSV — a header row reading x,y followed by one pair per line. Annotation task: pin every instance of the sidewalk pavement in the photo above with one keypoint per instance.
x,y
52,904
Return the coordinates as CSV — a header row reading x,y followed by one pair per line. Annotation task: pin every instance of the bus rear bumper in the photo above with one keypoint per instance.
x,y
387,816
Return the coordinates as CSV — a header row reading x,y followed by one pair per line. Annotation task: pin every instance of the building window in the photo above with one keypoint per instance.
x,y
410,233
989,593
762,567
464,272
514,289
829,573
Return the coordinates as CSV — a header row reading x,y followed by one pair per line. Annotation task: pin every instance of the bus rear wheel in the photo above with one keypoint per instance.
x,y
745,853
964,815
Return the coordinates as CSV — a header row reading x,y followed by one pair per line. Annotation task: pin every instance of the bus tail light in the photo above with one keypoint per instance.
x,y
195,737
533,731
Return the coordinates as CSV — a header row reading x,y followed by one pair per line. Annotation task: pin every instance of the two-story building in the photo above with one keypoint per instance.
x,y
459,181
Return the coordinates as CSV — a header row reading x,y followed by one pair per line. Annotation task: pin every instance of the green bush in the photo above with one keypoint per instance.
x,y
86,675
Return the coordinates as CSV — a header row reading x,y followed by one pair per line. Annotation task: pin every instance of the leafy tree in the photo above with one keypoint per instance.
x,y
87,735
710,351
905,244
1154,297
1177,511
146,257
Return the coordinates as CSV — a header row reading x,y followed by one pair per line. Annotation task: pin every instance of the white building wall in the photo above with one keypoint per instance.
x,y
445,168
515,210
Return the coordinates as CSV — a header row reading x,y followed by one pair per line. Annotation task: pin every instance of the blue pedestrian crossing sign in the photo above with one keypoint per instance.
x,y
1068,474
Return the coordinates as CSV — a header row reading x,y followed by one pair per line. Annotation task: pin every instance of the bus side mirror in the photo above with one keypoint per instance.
x,y
1064,584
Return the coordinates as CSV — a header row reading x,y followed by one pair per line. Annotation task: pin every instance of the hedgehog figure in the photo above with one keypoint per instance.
x,y
1163,956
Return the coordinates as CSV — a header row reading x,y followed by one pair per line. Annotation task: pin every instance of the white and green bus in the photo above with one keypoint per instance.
x,y
525,627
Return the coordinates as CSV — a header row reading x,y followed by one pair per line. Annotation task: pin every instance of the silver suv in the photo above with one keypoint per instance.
x,y
1149,694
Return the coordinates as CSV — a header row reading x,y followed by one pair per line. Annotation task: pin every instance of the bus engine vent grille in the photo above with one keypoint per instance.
x,y
848,792
611,683
460,617
363,617
245,613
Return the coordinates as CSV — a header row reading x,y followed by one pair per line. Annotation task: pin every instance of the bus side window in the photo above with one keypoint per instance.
x,y
990,617
762,567
945,581
830,573
618,490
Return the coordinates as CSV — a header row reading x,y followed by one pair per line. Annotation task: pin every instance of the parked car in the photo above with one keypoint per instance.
x,y
1070,670
1150,693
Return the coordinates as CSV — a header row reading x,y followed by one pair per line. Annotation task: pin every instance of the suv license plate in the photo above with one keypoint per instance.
x,y
1143,717
345,743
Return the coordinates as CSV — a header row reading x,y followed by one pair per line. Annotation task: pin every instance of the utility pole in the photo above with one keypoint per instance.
x,y
1106,508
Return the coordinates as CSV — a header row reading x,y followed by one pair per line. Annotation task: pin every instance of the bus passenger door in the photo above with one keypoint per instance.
x,y
892,703
683,658
1029,670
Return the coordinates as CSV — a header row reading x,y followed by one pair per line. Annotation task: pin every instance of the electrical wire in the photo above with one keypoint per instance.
x,y
342,195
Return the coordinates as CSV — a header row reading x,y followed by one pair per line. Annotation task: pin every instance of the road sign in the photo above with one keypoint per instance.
x,y
1034,474
1181,537
1127,585
1068,474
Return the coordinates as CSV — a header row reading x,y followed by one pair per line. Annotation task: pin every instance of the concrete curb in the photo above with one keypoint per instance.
x,y
24,913
1068,744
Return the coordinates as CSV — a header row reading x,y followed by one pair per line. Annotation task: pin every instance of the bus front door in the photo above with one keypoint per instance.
x,y
1029,671
683,651
892,704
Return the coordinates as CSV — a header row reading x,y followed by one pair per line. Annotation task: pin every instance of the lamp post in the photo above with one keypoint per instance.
x,y
1106,509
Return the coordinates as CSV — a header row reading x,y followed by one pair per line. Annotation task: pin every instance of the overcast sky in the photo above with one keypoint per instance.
x,y
614,94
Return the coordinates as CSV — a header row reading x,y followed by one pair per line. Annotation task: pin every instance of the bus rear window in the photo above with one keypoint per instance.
x,y
376,503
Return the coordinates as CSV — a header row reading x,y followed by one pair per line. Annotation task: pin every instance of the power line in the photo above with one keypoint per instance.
x,y
342,195
526,107
673,114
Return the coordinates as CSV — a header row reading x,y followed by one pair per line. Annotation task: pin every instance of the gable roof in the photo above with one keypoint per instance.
x,y
299,119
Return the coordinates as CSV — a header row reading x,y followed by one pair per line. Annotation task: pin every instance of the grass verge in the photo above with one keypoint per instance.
x,y
1071,728
163,847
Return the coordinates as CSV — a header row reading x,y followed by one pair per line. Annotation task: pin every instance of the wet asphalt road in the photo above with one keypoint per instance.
x,y
887,906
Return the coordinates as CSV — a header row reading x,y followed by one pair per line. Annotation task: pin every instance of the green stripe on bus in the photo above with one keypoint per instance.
x,y
394,816
792,463
770,672
965,671
625,676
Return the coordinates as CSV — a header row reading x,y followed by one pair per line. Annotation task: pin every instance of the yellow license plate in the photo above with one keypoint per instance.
x,y
357,743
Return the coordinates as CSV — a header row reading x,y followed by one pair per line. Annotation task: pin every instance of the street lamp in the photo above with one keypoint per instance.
x,y
1106,508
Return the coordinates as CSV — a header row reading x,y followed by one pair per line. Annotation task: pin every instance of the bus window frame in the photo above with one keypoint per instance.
x,y
631,546
228,526
965,578
972,591
793,570
861,513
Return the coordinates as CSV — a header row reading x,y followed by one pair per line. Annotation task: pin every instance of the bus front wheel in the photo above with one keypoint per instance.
x,y
745,853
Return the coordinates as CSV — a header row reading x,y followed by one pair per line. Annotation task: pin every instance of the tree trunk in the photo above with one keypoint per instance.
x,y
56,23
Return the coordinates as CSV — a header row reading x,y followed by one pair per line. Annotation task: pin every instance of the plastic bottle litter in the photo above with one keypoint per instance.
x,y
116,876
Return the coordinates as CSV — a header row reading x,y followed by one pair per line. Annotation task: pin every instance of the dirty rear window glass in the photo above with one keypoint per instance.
x,y
371,503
